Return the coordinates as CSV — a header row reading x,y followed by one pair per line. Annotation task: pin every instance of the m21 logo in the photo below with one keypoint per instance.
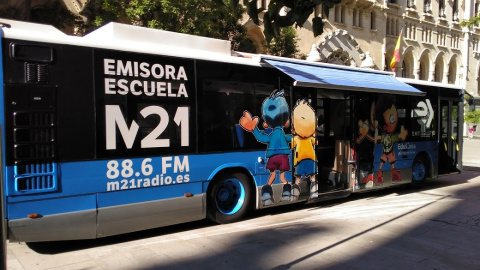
x,y
424,114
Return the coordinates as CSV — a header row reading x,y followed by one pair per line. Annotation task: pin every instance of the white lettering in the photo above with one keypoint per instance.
x,y
125,70
145,71
166,163
109,85
157,74
109,66
170,72
122,84
113,119
181,166
181,74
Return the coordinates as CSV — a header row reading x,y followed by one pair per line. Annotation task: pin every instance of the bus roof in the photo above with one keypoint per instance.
x,y
130,38
427,83
117,36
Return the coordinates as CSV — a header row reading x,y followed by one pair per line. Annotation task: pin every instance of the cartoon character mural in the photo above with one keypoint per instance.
x,y
304,125
275,113
386,107
387,113
367,130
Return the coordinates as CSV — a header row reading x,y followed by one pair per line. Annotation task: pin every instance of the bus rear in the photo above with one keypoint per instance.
x,y
90,150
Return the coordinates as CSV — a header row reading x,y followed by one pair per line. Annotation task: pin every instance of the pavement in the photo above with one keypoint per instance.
x,y
471,152
435,227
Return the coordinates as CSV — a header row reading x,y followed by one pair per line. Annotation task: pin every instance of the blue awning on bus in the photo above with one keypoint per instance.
x,y
342,78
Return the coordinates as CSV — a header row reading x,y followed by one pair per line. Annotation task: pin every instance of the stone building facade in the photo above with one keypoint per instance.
x,y
363,33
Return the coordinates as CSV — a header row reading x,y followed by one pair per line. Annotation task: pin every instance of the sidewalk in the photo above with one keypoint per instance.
x,y
471,152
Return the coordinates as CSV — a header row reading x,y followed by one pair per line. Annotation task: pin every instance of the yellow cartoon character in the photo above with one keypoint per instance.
x,y
304,124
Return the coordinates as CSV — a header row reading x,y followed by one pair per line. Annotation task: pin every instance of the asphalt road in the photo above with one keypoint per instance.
x,y
436,227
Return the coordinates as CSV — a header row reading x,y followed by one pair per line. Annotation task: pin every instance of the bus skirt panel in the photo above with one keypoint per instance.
x,y
67,218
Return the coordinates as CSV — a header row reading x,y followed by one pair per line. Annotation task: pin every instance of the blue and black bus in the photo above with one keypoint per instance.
x,y
129,128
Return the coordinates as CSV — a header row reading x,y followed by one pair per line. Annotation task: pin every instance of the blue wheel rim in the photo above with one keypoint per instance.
x,y
230,196
419,171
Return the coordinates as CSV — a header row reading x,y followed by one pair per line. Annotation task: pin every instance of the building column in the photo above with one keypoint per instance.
x,y
466,43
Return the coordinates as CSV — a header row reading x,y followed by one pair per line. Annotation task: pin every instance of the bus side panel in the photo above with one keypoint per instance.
x,y
147,215
134,208
406,153
53,223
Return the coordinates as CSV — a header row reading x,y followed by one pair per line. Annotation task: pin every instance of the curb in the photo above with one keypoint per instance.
x,y
471,168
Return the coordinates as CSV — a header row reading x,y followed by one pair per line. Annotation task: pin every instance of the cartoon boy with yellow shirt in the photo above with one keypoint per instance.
x,y
304,124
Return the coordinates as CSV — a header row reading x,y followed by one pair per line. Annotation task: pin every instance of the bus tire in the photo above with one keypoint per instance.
x,y
229,198
419,172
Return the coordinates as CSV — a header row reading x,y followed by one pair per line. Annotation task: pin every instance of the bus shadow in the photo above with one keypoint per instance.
x,y
58,247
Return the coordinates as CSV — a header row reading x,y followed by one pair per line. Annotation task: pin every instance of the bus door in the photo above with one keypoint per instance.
x,y
333,140
364,144
448,141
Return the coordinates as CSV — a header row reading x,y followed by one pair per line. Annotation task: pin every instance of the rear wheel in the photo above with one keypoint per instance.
x,y
229,198
419,172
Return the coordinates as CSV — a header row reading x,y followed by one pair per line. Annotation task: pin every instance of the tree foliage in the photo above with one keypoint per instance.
x,y
472,117
214,18
474,21
284,13
52,12
8,11
285,44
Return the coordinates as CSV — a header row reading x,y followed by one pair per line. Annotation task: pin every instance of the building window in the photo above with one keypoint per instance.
x,y
262,4
372,21
427,35
427,6
441,8
339,14
455,11
318,10
441,38
355,17
410,3
360,19
475,44
411,32
455,41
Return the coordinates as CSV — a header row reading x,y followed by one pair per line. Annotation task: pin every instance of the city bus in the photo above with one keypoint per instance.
x,y
129,128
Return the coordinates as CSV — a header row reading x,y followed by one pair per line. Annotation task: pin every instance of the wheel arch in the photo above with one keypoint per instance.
x,y
428,162
231,169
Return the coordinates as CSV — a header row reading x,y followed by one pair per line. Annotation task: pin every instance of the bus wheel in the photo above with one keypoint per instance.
x,y
229,198
419,172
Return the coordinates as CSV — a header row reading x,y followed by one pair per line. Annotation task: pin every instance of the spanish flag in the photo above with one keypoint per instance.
x,y
396,53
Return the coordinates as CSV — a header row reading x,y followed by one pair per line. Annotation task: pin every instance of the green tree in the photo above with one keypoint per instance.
x,y
474,21
285,44
100,12
9,12
52,12
297,13
472,117
214,18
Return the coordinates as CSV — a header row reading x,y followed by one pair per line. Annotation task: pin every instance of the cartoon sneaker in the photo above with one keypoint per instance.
x,y
295,192
314,189
368,178
396,175
267,195
287,193
379,180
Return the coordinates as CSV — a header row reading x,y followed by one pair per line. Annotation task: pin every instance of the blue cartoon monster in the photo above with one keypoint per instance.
x,y
275,114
